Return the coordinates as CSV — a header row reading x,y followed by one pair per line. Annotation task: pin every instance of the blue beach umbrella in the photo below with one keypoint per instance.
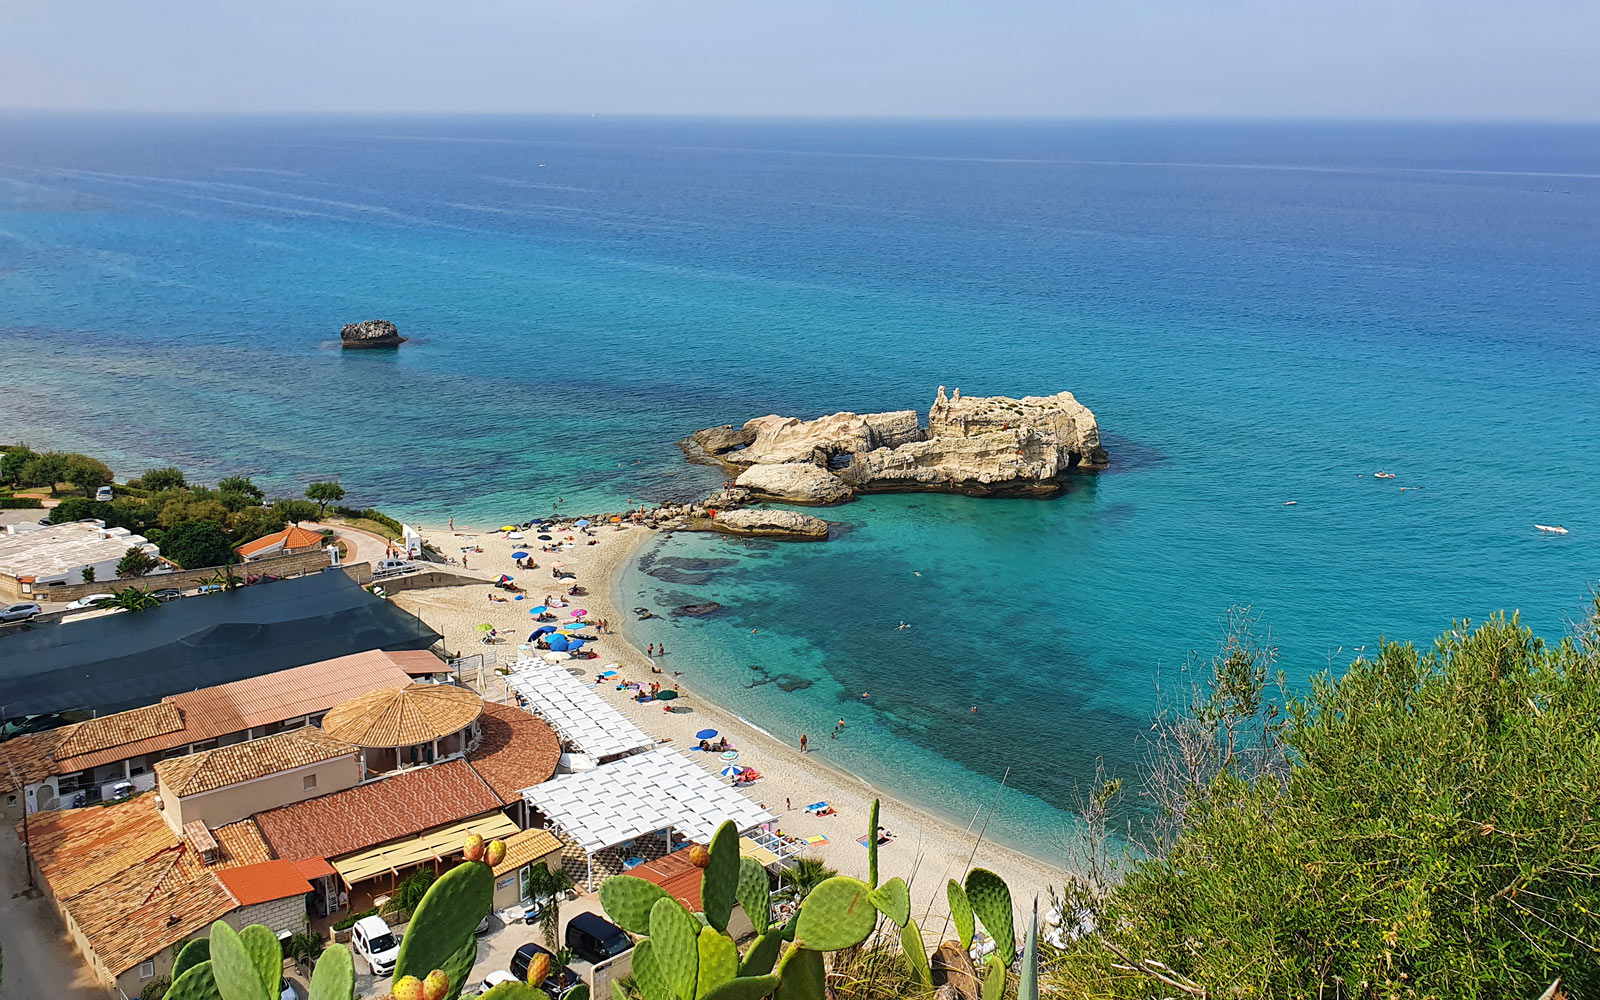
x,y
706,734
544,629
582,523
520,555
541,609
732,770
557,642
574,644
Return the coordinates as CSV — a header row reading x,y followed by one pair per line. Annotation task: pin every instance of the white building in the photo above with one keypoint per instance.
x,y
43,555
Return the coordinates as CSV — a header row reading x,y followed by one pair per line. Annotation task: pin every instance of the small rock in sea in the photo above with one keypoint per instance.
x,y
372,333
697,610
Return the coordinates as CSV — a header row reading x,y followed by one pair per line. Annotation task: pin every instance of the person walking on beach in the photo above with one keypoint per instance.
x,y
787,805
803,743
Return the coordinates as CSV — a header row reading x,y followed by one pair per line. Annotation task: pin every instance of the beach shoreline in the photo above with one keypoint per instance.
x,y
927,850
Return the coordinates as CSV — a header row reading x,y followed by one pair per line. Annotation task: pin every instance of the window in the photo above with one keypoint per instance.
x,y
308,782
147,970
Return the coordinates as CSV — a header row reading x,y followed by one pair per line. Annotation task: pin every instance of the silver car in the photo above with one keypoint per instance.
x,y
19,612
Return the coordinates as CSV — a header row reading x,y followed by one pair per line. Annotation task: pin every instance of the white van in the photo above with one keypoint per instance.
x,y
389,567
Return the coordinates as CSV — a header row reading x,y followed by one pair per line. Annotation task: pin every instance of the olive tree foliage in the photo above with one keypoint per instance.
x,y
1426,824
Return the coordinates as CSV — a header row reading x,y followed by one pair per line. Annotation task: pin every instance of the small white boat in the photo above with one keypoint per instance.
x,y
1290,503
1551,529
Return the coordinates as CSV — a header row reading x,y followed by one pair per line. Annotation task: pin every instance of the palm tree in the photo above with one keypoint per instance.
x,y
130,599
798,880
548,885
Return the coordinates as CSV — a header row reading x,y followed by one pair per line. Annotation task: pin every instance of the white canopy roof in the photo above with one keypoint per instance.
x,y
575,711
637,795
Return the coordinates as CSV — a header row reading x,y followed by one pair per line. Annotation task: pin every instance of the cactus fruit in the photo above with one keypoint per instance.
x,y
750,988
994,979
436,986
193,953
406,988
233,967
442,924
699,856
872,847
334,977
893,900
991,903
195,983
916,954
1028,987
801,976
494,853
719,960
472,847
675,933
763,955
627,901
960,912
538,969
720,886
754,894
836,915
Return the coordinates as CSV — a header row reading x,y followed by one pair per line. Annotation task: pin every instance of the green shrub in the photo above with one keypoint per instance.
x,y
155,989
197,544
349,920
20,503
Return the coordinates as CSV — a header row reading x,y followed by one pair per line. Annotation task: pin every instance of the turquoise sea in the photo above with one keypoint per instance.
x,y
1256,312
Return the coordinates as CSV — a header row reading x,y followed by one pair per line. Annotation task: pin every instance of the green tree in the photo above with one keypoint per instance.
x,y
242,488
155,989
130,599
136,562
47,469
545,887
295,510
87,474
197,544
88,574
12,463
75,509
156,480
324,494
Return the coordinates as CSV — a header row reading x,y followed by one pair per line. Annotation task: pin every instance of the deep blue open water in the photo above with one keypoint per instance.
x,y
1256,313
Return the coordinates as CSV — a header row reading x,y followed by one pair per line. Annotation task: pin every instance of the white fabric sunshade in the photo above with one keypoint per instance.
x,y
640,794
574,711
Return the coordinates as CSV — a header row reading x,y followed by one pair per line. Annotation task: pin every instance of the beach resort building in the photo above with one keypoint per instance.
x,y
35,557
290,541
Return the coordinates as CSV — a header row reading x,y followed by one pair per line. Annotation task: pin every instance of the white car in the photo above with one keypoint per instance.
x,y
19,612
103,494
494,979
389,567
372,939
93,600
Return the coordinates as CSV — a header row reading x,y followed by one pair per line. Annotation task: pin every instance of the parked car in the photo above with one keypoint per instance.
x,y
495,978
167,594
593,938
93,600
19,612
372,939
389,567
286,990
558,983
103,494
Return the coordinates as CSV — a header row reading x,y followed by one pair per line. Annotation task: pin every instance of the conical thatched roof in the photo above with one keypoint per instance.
x,y
398,717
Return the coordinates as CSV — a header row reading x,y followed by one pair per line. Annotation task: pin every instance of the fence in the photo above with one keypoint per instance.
x,y
297,564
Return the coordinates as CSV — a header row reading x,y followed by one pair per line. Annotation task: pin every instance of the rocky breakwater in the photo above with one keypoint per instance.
x,y
980,446
372,333
753,523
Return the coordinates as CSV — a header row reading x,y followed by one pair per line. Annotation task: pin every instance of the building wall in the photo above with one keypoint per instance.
x,y
508,887
289,565
231,803
280,915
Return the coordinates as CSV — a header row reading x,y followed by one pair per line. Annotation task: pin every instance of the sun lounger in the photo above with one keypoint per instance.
x,y
816,806
816,840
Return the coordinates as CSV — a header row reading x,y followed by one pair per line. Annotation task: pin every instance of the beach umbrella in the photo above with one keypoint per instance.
x,y
730,755
485,627
508,527
546,538
575,643
580,612
544,630
521,555
731,770
666,695
506,579
514,534
557,641
583,523
706,734
556,657
541,609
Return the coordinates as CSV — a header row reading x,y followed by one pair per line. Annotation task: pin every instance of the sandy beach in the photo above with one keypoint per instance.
x,y
927,850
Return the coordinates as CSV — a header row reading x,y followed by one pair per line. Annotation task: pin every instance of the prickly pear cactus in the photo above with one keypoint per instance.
x,y
836,915
234,968
627,901
750,988
720,887
578,992
675,933
719,960
991,903
266,954
754,894
893,900
193,953
647,972
916,954
334,978
443,922
872,846
960,912
800,976
515,991
763,955
1028,987
994,979
196,983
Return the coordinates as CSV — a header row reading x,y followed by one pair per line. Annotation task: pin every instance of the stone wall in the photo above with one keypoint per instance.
x,y
290,565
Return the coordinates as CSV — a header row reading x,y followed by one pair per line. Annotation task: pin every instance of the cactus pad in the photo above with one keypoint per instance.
x,y
960,912
893,900
195,983
627,901
991,903
836,915
916,954
193,953
445,919
515,991
1028,988
719,890
719,960
800,976
334,978
747,988
675,933
458,967
578,992
233,967
647,972
763,955
872,848
994,979
754,894
266,954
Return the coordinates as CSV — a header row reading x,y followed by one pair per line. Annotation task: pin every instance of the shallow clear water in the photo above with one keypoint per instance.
x,y
1256,313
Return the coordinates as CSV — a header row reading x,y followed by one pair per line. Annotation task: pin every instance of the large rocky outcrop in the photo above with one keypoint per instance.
x,y
793,482
786,524
985,446
372,333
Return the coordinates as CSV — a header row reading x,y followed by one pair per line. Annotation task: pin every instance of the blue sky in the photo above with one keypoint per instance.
x,y
1511,59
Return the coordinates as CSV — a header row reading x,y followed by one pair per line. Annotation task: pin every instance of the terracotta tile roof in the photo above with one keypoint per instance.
x,y
311,868
377,812
416,713
529,845
516,751
418,661
131,886
242,844
232,708
676,874
229,765
293,537
33,756
199,838
264,881
120,728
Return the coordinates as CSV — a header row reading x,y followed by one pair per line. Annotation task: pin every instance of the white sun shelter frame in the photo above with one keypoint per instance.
x,y
573,709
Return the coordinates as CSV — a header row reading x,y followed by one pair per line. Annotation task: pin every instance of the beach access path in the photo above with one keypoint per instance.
x,y
927,849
